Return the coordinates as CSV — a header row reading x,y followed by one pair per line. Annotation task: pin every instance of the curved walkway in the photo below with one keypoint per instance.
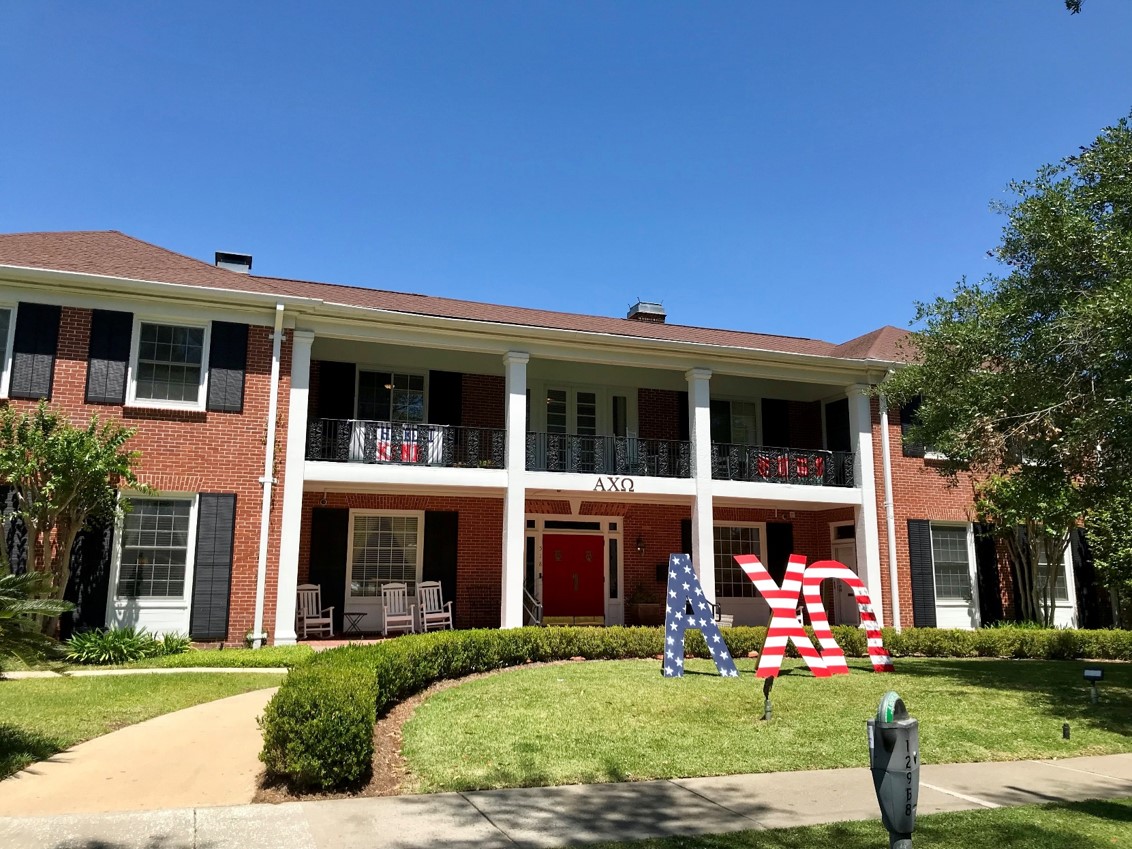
x,y
202,755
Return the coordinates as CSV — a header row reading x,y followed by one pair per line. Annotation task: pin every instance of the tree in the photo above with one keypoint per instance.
x,y
20,604
1026,378
64,477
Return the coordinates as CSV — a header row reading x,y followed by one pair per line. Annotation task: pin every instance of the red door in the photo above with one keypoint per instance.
x,y
573,575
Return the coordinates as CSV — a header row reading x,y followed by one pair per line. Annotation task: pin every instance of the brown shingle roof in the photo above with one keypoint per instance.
x,y
884,343
115,254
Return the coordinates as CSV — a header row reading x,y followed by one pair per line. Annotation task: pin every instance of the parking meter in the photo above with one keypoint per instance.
x,y
894,757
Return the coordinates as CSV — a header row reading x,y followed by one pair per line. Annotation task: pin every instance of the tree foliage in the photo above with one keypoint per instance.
x,y
64,477
1026,377
20,605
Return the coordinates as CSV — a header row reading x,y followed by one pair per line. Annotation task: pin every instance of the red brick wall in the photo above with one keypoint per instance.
x,y
187,451
479,553
482,402
658,414
918,492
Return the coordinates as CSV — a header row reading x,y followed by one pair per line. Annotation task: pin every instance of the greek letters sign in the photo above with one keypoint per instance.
x,y
613,483
687,608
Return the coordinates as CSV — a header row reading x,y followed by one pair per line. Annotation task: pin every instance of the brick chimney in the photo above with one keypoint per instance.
x,y
647,312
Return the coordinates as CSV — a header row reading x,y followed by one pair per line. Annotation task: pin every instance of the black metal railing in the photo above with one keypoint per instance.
x,y
781,465
361,441
608,455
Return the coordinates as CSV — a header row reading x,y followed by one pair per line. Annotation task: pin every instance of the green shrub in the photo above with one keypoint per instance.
x,y
318,730
175,644
116,645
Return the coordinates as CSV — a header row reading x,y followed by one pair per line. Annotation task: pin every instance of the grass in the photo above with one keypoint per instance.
x,y
1077,825
40,717
620,720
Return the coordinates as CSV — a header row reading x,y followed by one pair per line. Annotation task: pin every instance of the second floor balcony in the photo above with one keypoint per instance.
x,y
758,463
608,455
364,441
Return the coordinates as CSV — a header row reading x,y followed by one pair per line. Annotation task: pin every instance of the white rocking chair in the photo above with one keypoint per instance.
x,y
435,612
397,613
310,615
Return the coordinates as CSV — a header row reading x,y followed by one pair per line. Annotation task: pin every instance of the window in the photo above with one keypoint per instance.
x,y
170,363
391,397
5,353
730,580
1060,588
155,548
951,563
733,422
385,549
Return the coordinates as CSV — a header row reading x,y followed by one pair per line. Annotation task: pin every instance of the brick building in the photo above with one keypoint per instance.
x,y
301,432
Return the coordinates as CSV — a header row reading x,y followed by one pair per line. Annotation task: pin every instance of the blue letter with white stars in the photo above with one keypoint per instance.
x,y
686,607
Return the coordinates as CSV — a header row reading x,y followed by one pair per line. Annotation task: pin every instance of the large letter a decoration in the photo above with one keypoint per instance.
x,y
686,607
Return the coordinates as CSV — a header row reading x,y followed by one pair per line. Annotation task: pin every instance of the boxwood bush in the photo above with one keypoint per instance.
x,y
318,729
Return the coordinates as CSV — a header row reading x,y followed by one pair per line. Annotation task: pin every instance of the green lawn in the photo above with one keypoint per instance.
x,y
620,720
1081,825
40,717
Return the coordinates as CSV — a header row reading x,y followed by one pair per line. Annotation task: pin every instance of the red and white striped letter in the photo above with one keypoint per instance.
x,y
831,652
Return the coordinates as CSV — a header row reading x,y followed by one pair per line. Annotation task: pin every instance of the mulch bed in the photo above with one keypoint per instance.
x,y
390,775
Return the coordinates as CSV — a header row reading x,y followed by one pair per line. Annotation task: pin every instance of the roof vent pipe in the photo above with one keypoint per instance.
x,y
647,312
240,263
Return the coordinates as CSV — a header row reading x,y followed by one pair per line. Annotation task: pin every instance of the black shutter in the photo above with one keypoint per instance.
x,y
776,423
907,419
108,356
1094,604
227,364
441,528
336,383
685,540
89,584
683,423
17,534
720,421
837,435
330,530
445,397
33,350
923,576
212,572
779,547
986,568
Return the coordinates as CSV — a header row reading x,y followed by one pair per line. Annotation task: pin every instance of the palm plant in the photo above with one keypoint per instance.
x,y
21,605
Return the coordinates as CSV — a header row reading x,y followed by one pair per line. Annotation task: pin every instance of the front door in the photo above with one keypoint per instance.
x,y
846,611
573,578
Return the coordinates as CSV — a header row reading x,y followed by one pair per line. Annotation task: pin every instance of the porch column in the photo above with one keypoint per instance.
x,y
699,428
864,478
296,456
515,498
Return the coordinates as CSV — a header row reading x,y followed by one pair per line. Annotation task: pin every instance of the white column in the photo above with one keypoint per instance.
x,y
864,477
515,499
699,428
292,519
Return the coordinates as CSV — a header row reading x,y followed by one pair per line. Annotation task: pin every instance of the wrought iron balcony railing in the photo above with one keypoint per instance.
x,y
361,441
608,455
781,465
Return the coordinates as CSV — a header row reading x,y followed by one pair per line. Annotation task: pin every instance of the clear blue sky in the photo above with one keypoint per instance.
x,y
807,168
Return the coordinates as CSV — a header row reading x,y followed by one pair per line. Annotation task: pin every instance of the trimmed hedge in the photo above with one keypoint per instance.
x,y
318,729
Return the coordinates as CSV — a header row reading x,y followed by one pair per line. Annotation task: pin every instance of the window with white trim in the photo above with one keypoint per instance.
x,y
730,580
155,548
169,363
951,562
391,397
1060,587
384,549
5,347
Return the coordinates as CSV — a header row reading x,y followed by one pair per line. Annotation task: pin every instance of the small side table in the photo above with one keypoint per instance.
x,y
352,623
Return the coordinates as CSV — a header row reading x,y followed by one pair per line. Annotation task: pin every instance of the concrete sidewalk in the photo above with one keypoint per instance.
x,y
207,754
576,815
